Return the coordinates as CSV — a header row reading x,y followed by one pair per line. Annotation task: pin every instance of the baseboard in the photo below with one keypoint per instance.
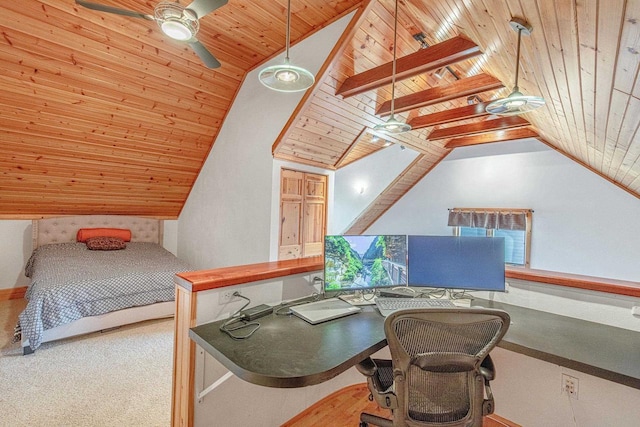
x,y
12,293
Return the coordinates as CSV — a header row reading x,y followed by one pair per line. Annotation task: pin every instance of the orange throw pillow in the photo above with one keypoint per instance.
x,y
87,233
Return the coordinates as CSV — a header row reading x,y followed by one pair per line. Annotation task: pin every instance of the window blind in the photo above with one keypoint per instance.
x,y
492,219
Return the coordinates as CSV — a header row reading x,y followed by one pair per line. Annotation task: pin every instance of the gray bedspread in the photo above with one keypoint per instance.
x,y
69,281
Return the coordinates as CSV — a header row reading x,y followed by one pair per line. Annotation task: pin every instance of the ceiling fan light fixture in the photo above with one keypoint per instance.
x,y
177,30
516,103
176,21
286,77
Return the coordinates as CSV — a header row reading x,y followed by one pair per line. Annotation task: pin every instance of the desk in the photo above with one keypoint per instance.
x,y
289,352
593,348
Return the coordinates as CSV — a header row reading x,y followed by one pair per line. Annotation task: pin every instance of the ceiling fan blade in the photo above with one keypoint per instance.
x,y
109,9
209,60
202,7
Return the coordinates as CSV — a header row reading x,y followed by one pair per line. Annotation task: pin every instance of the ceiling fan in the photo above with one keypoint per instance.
x,y
176,21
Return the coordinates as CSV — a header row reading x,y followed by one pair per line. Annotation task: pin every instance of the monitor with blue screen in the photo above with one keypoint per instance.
x,y
364,262
450,262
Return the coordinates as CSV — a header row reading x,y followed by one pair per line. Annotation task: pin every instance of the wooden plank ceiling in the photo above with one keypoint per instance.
x,y
582,57
102,114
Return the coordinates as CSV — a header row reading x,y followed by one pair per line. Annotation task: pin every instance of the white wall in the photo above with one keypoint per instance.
x,y
228,217
373,174
527,392
582,224
15,250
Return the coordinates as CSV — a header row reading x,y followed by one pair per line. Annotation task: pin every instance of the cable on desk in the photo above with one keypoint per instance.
x,y
435,293
457,294
238,317
287,305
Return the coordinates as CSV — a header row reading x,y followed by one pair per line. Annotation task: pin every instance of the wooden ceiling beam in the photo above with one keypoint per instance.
x,y
437,56
472,111
350,149
474,128
435,95
486,138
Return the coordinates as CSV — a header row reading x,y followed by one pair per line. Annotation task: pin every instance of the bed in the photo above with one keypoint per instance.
x,y
76,290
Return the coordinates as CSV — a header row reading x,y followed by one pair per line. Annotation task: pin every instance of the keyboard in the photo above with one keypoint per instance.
x,y
388,305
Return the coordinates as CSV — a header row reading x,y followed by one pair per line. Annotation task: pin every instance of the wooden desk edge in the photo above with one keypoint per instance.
x,y
203,280
599,284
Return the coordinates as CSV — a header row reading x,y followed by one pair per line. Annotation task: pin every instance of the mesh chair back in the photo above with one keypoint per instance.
x,y
436,358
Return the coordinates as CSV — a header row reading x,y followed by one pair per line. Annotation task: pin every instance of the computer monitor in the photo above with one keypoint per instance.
x,y
361,262
464,263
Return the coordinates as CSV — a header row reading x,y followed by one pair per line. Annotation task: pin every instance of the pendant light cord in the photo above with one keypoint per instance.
x,y
515,88
288,31
393,67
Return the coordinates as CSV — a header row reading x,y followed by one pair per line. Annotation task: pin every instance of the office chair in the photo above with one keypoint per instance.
x,y
440,368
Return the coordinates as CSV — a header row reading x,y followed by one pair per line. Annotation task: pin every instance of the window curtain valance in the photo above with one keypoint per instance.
x,y
492,219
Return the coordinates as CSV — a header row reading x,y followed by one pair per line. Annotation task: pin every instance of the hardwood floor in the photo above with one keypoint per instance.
x,y
343,408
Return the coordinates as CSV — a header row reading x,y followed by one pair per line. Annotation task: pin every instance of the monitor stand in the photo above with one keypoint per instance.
x,y
358,298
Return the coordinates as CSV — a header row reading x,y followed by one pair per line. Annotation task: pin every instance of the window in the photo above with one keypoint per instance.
x,y
514,225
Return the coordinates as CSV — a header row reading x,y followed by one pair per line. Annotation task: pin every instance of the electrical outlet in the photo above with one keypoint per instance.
x,y
225,297
570,386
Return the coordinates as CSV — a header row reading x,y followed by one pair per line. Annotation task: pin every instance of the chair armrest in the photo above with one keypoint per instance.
x,y
367,367
487,369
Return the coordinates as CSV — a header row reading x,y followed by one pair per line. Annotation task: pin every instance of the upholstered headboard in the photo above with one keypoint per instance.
x,y
64,229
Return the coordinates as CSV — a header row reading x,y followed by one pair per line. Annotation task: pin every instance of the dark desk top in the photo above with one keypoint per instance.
x,y
596,349
289,352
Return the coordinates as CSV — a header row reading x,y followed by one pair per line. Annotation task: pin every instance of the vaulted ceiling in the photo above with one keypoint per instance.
x,y
101,113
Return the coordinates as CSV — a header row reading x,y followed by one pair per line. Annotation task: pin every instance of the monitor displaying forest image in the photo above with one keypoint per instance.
x,y
353,262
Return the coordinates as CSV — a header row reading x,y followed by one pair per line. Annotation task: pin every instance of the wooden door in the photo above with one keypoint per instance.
x,y
291,197
303,201
314,214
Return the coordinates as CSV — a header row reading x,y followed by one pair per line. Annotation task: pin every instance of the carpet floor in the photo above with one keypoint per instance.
x,y
117,378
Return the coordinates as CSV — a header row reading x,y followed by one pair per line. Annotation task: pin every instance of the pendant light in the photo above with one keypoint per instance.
x,y
393,125
516,102
286,77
